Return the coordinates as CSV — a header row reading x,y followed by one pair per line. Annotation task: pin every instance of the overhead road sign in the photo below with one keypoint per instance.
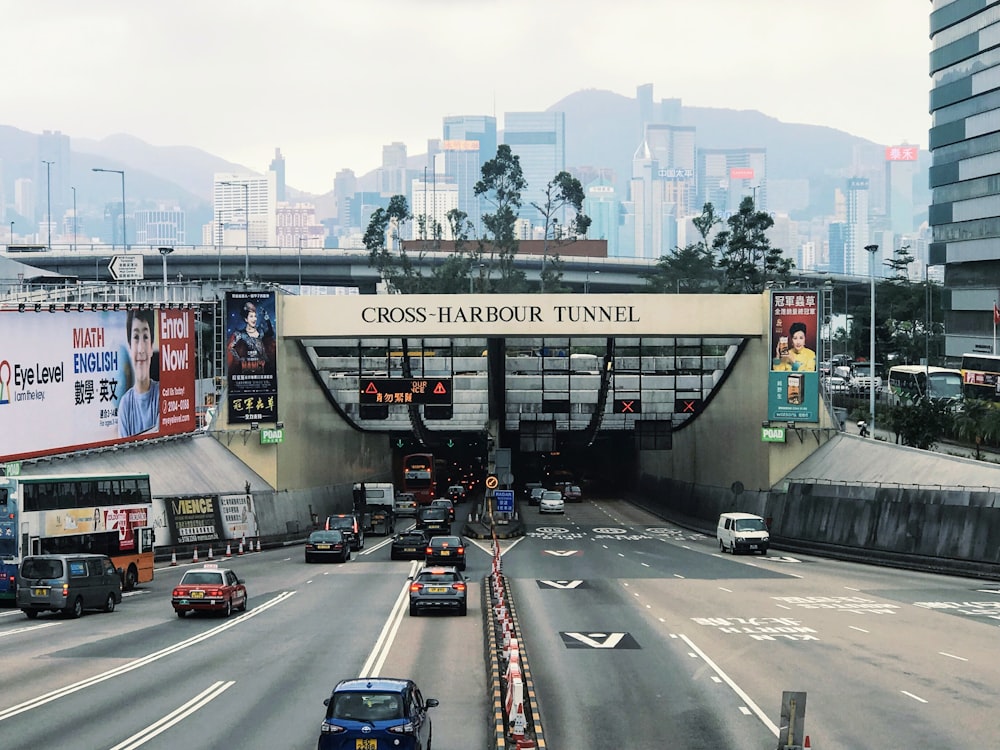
x,y
406,391
126,267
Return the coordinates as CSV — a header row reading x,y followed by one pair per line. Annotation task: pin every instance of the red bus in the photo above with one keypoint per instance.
x,y
418,476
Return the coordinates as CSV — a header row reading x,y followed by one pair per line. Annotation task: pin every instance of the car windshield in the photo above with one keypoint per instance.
x,y
367,706
551,495
346,523
434,514
441,503
35,568
201,577
750,524
325,536
446,541
412,538
440,577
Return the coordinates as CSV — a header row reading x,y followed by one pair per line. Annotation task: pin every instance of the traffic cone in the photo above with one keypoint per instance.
x,y
194,558
518,723
240,552
229,549
210,552
258,544
808,743
173,557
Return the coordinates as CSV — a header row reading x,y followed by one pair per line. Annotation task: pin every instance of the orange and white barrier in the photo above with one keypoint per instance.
x,y
229,549
194,557
173,557
241,545
258,544
210,552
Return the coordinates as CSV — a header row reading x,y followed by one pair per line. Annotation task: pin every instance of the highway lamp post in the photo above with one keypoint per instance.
x,y
300,264
586,283
164,252
246,216
120,172
11,240
74,217
871,249
48,193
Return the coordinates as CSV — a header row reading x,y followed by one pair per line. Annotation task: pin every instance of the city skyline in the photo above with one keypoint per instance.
x,y
331,83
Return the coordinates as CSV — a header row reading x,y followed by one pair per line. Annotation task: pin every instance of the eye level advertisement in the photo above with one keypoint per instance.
x,y
793,383
251,366
88,379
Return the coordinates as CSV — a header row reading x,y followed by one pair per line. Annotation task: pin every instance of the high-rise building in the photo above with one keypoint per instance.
x,y
431,204
728,175
233,202
458,163
462,129
392,174
837,247
662,187
278,167
297,225
538,139
24,196
603,207
965,151
345,185
856,259
479,128
161,226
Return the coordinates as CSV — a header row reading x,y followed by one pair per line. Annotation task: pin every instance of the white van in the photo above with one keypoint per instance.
x,y
742,532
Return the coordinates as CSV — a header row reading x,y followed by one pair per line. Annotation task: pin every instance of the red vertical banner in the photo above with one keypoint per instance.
x,y
177,372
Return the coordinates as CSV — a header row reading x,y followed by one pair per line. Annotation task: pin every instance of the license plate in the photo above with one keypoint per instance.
x,y
197,594
437,590
39,592
409,549
753,546
322,546
369,743
445,553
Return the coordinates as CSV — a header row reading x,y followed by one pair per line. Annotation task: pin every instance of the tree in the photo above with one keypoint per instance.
x,y
563,192
502,182
900,264
691,268
747,260
922,423
382,239
973,422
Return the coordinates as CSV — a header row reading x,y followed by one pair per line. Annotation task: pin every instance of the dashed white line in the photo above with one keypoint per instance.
x,y
144,735
952,656
855,627
911,695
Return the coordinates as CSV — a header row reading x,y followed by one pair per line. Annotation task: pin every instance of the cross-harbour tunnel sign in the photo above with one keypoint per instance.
x,y
525,314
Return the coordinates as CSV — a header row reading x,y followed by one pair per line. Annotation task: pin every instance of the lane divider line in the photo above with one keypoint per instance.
x,y
202,699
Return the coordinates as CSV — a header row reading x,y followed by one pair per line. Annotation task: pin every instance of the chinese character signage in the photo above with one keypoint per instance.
x,y
77,379
741,173
793,383
251,366
902,153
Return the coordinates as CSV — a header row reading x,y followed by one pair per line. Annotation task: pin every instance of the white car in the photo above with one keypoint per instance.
x,y
551,502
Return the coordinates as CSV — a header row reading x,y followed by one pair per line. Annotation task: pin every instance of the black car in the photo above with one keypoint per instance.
x,y
349,525
434,521
440,589
327,545
409,545
445,550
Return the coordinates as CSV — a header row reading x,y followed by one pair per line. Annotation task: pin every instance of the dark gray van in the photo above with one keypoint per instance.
x,y
67,584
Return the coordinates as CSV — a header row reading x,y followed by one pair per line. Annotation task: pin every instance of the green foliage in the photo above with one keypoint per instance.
x,y
900,264
921,424
562,192
501,184
690,269
746,258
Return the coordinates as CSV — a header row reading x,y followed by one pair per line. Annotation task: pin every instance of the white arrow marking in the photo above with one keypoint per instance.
x,y
561,552
608,640
562,584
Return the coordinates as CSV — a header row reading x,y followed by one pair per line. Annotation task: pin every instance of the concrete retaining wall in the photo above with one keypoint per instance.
x,y
928,529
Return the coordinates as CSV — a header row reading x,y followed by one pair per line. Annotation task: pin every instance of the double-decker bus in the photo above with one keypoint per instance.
x,y
910,383
106,514
419,476
981,377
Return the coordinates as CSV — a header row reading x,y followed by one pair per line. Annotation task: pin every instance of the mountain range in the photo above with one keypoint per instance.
x,y
602,132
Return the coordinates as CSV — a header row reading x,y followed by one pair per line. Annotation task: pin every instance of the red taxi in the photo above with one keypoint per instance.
x,y
209,589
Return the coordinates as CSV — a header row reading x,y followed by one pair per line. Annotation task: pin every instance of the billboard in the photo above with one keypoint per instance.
x,y
86,379
251,363
793,383
902,153
741,173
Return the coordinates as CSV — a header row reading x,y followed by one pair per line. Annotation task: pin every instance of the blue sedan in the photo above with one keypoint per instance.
x,y
369,713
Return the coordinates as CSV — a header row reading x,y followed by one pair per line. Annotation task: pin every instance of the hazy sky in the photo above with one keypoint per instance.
x,y
332,81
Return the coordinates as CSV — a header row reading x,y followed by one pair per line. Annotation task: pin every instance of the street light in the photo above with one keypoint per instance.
x,y
246,215
11,240
164,252
871,249
48,191
586,283
74,217
122,173
300,264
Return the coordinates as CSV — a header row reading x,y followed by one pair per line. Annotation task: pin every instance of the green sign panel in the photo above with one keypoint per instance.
x,y
271,437
772,434
12,469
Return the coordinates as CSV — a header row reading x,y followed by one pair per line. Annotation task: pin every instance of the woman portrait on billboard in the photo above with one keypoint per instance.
x,y
792,353
251,348
139,407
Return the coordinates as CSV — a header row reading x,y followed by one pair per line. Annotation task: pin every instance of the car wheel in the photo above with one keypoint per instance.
x,y
361,542
393,556
463,610
243,606
109,603
228,609
181,613
31,614
348,554
722,547
75,609
131,578
308,559
413,610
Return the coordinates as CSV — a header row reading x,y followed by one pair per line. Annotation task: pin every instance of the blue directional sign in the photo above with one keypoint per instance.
x,y
505,500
